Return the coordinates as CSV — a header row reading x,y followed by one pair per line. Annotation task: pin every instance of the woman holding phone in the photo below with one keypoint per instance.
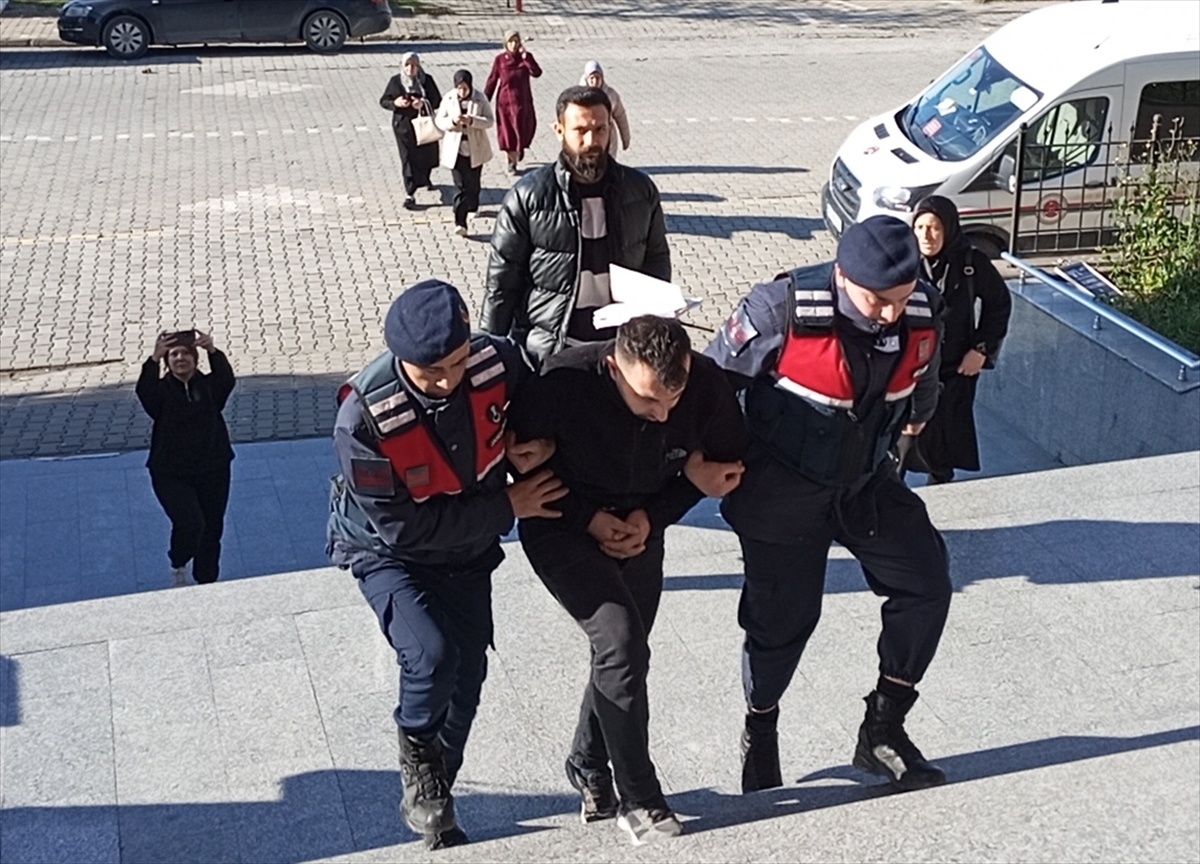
x,y
465,116
189,448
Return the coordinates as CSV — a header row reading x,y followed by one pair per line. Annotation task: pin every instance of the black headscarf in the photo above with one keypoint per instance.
x,y
955,247
462,76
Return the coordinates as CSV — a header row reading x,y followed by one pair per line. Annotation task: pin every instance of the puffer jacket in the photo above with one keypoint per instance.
x,y
533,271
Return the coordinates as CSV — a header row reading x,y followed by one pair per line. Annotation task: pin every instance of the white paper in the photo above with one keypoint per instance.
x,y
635,294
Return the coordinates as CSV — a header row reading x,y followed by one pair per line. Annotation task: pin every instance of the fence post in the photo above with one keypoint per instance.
x,y
1019,169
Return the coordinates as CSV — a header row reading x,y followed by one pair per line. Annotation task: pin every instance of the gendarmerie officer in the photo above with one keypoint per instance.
x,y
416,515
836,361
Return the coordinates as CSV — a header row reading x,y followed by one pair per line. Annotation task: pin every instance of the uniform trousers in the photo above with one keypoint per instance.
x,y
903,557
439,622
614,602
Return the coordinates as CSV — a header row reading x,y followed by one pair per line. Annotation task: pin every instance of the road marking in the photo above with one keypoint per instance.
x,y
149,135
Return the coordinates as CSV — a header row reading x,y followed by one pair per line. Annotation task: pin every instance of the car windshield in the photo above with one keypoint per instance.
x,y
966,108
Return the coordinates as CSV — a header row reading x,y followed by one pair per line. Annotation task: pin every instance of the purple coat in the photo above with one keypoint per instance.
x,y
509,91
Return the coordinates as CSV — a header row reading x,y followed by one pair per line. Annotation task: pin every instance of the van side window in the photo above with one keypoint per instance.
x,y
1176,102
1065,138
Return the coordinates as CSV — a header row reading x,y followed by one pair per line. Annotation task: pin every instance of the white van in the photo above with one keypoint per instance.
x,y
1079,74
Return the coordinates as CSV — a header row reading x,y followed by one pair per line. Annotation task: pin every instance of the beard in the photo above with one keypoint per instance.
x,y
588,166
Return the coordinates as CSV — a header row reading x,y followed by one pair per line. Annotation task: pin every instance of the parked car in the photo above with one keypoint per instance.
x,y
1076,74
127,28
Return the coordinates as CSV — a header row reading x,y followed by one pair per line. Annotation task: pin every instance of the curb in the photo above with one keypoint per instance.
x,y
26,41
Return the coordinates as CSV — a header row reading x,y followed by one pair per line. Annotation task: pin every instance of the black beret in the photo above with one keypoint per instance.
x,y
427,323
879,253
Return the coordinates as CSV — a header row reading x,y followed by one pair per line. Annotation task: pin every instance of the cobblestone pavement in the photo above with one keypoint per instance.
x,y
253,191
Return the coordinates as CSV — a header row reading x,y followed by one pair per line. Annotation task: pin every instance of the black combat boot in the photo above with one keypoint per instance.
x,y
883,745
760,751
428,807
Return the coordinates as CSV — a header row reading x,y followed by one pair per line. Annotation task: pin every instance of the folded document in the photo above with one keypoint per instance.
x,y
635,294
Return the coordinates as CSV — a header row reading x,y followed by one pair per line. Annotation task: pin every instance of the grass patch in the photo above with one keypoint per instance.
x,y
1156,260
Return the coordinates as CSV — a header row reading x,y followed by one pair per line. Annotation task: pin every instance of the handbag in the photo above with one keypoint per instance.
x,y
424,128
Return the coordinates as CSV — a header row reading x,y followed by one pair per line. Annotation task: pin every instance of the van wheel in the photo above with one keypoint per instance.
x,y
126,37
325,32
987,244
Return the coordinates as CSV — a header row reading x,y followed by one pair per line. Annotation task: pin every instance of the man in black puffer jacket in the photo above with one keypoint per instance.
x,y
561,227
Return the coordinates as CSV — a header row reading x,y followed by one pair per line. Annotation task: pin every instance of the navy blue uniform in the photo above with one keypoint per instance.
x,y
425,566
819,471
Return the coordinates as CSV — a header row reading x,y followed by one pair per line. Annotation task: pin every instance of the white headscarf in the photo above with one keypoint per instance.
x,y
592,66
411,84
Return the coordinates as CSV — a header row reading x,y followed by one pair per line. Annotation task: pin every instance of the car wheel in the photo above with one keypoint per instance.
x,y
126,37
987,244
325,32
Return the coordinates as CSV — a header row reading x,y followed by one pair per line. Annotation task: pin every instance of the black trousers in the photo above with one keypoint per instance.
x,y
439,623
195,504
416,161
466,186
903,558
615,603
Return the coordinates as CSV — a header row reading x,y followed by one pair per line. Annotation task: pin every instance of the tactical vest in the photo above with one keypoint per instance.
x,y
417,456
807,416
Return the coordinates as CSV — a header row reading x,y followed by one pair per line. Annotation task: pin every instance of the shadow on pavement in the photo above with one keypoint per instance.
x,y
328,813
85,57
320,814
717,810
796,227
1047,553
719,169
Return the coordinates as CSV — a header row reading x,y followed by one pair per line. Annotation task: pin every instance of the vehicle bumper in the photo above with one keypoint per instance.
x,y
81,31
372,24
836,220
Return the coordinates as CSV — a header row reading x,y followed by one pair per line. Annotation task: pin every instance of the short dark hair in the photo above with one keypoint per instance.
x,y
660,343
587,97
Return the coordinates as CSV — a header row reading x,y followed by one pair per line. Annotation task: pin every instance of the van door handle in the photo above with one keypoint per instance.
x,y
1096,184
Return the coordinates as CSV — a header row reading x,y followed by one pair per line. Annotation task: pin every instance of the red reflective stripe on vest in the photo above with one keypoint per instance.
x,y
421,464
815,367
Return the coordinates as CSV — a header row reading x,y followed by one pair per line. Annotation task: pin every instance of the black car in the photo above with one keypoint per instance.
x,y
127,28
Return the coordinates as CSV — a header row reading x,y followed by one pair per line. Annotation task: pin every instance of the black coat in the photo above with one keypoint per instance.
x,y
395,88
533,272
189,436
613,460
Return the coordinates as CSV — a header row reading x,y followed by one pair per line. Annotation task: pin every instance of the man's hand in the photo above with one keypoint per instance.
x,y
204,340
714,479
527,455
607,529
530,496
971,363
912,429
162,345
634,542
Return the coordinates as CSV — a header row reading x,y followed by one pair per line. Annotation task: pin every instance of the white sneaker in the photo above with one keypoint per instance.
x,y
180,576
648,824
460,230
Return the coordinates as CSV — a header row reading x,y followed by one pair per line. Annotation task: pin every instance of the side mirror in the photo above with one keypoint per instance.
x,y
1006,174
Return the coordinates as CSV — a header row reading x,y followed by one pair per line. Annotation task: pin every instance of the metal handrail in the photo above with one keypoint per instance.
x,y
1188,362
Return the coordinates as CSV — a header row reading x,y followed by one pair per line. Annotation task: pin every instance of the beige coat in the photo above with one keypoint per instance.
x,y
482,120
618,121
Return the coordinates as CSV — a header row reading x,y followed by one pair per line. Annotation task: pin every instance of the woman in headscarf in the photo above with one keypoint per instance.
x,y
593,76
408,94
465,117
508,89
970,343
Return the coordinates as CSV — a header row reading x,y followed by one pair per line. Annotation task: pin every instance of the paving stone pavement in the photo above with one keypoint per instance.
x,y
252,191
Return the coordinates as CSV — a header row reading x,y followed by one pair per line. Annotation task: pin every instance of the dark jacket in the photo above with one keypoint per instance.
x,y
533,272
611,459
964,275
189,435
445,530
429,91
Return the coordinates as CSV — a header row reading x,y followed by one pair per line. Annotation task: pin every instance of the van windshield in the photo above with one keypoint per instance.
x,y
966,108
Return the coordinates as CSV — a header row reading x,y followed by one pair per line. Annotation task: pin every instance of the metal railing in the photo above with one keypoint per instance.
x,y
1188,362
1068,196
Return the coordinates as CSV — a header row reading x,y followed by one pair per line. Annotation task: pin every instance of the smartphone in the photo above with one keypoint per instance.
x,y
183,337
